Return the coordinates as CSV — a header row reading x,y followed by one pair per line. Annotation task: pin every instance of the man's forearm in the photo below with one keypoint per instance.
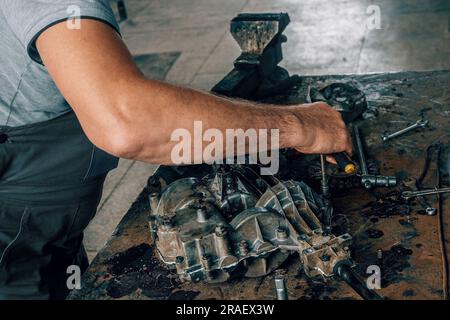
x,y
155,110
129,116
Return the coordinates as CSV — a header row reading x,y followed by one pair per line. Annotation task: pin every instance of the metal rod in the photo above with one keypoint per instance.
x,y
441,229
324,179
360,149
346,273
280,288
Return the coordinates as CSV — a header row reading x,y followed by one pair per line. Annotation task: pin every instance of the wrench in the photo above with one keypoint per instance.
x,y
411,194
368,180
419,124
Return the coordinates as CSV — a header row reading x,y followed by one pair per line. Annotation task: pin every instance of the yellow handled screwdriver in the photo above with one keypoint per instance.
x,y
344,162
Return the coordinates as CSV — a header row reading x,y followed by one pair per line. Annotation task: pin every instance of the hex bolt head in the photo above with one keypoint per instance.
x,y
202,215
179,259
282,234
325,258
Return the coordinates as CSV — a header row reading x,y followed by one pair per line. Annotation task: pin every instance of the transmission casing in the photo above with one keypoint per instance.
x,y
235,221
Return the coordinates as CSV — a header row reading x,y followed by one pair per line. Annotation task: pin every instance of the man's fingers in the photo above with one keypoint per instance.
x,y
331,159
349,149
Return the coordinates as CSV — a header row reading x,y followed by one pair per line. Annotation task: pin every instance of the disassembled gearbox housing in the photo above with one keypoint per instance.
x,y
234,219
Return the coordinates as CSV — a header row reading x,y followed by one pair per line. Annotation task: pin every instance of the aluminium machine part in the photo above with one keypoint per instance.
x,y
234,222
206,228
367,180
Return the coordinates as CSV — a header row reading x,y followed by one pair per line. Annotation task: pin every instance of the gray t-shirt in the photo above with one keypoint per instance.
x,y
27,92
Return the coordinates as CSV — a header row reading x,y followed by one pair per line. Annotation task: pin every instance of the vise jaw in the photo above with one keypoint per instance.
x,y
259,37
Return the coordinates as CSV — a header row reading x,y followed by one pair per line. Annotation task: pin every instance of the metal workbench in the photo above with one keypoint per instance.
x,y
127,267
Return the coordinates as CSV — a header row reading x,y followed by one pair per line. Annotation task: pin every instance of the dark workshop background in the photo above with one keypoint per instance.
x,y
188,42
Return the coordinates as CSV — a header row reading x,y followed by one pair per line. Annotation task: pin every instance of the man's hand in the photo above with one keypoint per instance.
x,y
323,130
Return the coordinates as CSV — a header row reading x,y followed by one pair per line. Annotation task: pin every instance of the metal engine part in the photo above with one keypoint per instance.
x,y
233,220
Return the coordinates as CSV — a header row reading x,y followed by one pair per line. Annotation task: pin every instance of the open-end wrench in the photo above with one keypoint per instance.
x,y
419,124
411,194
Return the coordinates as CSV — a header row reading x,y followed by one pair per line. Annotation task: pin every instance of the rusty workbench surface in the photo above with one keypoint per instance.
x,y
126,268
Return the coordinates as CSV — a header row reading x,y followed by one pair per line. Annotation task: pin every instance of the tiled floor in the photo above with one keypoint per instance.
x,y
324,37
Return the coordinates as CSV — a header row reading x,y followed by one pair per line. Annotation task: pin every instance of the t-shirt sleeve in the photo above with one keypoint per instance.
x,y
29,18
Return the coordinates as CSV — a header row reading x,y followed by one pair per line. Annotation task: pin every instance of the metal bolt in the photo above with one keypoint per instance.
x,y
282,234
324,179
379,254
431,211
202,215
325,258
280,288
